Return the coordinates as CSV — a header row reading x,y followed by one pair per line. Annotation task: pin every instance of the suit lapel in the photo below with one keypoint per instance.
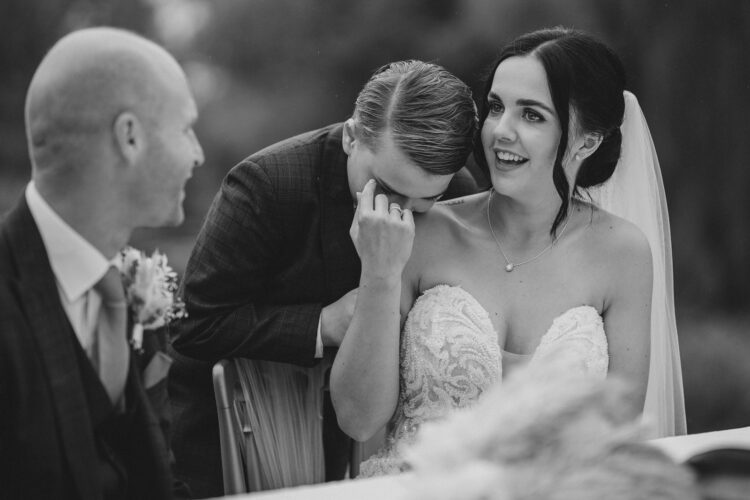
x,y
340,260
53,333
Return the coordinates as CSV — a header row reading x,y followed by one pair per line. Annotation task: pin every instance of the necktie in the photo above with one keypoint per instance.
x,y
112,353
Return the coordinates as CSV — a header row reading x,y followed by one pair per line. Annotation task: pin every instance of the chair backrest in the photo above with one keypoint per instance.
x,y
225,382
270,425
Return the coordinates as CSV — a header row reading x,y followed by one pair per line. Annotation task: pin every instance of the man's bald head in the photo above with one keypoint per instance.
x,y
83,84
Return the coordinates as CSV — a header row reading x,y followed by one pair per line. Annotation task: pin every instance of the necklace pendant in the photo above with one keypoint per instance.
x,y
509,267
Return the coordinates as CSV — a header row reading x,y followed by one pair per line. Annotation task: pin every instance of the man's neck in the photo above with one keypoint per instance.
x,y
92,217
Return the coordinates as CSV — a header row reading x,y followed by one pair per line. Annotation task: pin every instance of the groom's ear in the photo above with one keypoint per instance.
x,y
348,137
129,136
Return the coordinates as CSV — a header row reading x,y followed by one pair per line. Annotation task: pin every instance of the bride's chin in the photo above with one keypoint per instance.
x,y
504,184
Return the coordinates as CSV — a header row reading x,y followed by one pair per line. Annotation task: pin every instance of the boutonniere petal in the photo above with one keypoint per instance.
x,y
150,288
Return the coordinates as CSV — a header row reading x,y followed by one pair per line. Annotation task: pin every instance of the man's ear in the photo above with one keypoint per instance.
x,y
349,136
129,136
589,144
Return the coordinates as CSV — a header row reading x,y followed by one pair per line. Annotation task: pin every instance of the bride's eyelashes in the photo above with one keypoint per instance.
x,y
532,116
495,106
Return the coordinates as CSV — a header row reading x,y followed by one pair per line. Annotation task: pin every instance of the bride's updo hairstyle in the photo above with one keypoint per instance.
x,y
585,75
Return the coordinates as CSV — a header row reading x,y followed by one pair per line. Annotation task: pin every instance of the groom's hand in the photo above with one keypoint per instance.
x,y
335,319
383,235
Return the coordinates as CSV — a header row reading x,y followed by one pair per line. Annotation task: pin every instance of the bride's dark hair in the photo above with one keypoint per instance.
x,y
582,73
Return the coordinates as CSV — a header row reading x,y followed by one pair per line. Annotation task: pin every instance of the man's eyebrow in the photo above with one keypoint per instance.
x,y
389,188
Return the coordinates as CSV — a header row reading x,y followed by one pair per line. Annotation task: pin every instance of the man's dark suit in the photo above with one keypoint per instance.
x,y
54,411
273,251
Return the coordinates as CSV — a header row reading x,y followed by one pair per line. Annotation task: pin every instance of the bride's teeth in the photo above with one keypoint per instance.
x,y
504,156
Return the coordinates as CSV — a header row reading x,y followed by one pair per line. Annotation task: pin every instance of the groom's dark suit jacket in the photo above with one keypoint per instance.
x,y
274,249
59,435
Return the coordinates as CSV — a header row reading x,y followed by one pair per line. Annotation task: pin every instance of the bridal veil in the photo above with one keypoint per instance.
x,y
635,192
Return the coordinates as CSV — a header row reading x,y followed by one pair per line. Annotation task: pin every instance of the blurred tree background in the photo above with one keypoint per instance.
x,y
263,70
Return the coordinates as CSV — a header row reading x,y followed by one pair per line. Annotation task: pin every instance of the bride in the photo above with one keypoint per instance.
x,y
534,268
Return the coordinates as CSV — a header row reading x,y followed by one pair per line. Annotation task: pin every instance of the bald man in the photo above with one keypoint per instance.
x,y
109,119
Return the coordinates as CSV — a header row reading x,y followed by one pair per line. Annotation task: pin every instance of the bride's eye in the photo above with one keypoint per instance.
x,y
532,116
494,106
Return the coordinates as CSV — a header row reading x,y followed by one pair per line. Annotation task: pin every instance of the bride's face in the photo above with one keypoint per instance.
x,y
521,133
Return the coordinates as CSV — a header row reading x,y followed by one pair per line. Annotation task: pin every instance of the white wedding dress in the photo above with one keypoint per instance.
x,y
450,356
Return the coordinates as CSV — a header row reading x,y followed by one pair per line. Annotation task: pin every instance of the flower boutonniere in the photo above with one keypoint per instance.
x,y
150,286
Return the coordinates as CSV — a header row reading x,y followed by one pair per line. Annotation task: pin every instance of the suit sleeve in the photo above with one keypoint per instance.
x,y
235,256
7,325
15,340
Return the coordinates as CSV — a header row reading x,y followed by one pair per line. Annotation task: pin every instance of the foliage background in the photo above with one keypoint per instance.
x,y
263,70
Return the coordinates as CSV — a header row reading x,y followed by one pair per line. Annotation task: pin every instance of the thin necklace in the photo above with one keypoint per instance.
x,y
509,266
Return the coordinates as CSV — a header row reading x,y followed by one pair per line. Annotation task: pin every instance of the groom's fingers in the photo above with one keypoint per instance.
x,y
407,217
381,204
366,199
357,208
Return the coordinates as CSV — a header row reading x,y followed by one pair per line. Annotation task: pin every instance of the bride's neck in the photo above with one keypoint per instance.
x,y
522,222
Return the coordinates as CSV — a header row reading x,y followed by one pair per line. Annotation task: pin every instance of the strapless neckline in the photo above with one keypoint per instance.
x,y
450,355
486,316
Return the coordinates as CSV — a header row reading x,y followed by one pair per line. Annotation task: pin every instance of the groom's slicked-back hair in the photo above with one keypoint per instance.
x,y
429,112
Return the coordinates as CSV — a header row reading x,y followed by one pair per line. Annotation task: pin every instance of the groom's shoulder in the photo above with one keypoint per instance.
x,y
306,149
294,164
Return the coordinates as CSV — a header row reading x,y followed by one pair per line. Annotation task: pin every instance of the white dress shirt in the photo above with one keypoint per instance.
x,y
77,267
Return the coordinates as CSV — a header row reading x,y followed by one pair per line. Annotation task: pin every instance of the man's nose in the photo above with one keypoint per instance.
x,y
199,156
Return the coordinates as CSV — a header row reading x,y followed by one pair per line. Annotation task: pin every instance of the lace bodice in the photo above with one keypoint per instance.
x,y
450,356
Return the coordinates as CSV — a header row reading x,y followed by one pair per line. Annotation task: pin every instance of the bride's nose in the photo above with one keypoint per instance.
x,y
504,128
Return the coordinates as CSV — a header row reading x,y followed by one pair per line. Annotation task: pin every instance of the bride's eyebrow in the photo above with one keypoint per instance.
x,y
533,102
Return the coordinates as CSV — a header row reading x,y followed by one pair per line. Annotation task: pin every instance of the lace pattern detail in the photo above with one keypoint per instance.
x,y
578,333
450,356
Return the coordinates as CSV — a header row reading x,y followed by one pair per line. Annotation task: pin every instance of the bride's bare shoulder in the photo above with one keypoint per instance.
x,y
449,217
620,242
441,232
468,202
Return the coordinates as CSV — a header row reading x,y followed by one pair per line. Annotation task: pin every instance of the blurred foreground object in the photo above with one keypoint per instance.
x,y
546,432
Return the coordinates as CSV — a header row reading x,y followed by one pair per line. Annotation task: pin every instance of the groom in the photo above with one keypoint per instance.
x,y
273,274
109,125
